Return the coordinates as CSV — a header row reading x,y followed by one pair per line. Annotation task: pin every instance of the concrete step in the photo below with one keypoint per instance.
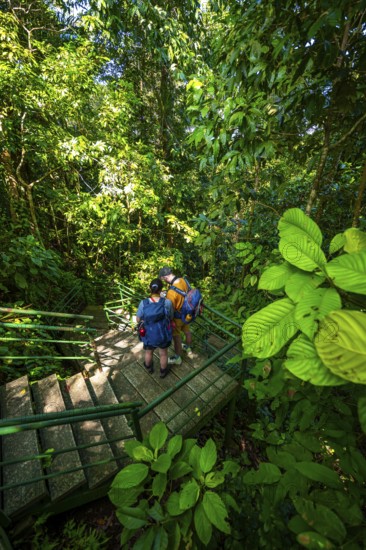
x,y
48,398
115,426
88,432
16,401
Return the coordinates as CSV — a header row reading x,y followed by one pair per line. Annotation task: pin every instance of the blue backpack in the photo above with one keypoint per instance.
x,y
192,305
157,325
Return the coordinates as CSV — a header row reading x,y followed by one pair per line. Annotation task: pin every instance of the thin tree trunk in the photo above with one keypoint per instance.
x,y
360,193
319,173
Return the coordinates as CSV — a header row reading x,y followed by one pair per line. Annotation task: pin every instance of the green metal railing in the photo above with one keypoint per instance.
x,y
13,323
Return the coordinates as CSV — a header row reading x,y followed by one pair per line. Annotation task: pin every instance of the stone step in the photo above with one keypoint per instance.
x,y
86,432
48,398
16,401
115,426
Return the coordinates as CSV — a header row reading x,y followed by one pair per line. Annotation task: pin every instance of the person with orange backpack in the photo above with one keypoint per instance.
x,y
187,304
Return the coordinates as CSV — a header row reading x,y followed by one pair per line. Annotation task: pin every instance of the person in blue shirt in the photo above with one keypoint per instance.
x,y
156,313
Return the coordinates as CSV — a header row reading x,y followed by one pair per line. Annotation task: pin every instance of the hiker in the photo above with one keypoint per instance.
x,y
154,316
179,327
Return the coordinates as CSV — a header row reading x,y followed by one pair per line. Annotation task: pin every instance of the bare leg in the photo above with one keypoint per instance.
x,y
148,357
163,358
188,338
178,344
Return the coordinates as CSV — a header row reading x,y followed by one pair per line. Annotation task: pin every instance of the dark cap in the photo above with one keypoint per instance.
x,y
164,271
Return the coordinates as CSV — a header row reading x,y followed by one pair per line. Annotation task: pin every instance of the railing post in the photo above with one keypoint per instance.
x,y
232,404
136,425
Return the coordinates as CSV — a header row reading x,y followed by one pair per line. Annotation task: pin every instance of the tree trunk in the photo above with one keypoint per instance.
x,y
360,193
11,184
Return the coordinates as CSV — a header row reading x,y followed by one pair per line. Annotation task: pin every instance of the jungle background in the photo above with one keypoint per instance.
x,y
150,133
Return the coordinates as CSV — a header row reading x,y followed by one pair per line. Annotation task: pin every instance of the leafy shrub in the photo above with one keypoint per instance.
x,y
166,497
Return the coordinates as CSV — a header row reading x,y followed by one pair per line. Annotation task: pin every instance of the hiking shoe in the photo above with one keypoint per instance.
x,y
175,360
187,349
164,372
149,368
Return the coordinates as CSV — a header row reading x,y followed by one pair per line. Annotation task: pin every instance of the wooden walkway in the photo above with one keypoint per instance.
x,y
119,378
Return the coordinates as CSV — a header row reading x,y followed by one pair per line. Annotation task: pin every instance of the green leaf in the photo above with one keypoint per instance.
x,y
280,458
213,479
162,464
303,361
130,476
161,540
337,243
275,277
340,344
159,485
158,436
321,519
318,472
314,306
156,512
142,453
230,467
208,456
302,252
267,473
189,495
349,272
130,445
194,461
314,541
202,524
299,284
216,511
361,408
124,497
175,445
20,281
145,542
295,223
268,330
132,518
172,505
179,469
355,240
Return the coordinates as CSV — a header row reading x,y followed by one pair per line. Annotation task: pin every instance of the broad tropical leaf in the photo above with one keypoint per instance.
x,y
202,524
304,362
316,305
314,541
318,472
349,272
267,473
302,252
337,243
216,511
300,283
340,344
275,277
355,240
268,330
294,223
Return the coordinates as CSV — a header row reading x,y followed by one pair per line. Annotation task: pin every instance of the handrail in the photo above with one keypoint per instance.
x,y
187,378
24,423
47,313
61,328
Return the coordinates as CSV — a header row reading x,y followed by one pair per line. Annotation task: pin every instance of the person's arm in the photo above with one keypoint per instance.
x,y
169,308
139,313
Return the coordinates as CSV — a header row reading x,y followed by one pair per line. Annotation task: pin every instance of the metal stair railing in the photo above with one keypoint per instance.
x,y
39,330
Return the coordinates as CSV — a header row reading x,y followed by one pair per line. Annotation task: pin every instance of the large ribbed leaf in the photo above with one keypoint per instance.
x,y
316,305
294,223
337,243
300,283
275,277
349,272
361,408
268,330
340,344
304,362
302,252
355,240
